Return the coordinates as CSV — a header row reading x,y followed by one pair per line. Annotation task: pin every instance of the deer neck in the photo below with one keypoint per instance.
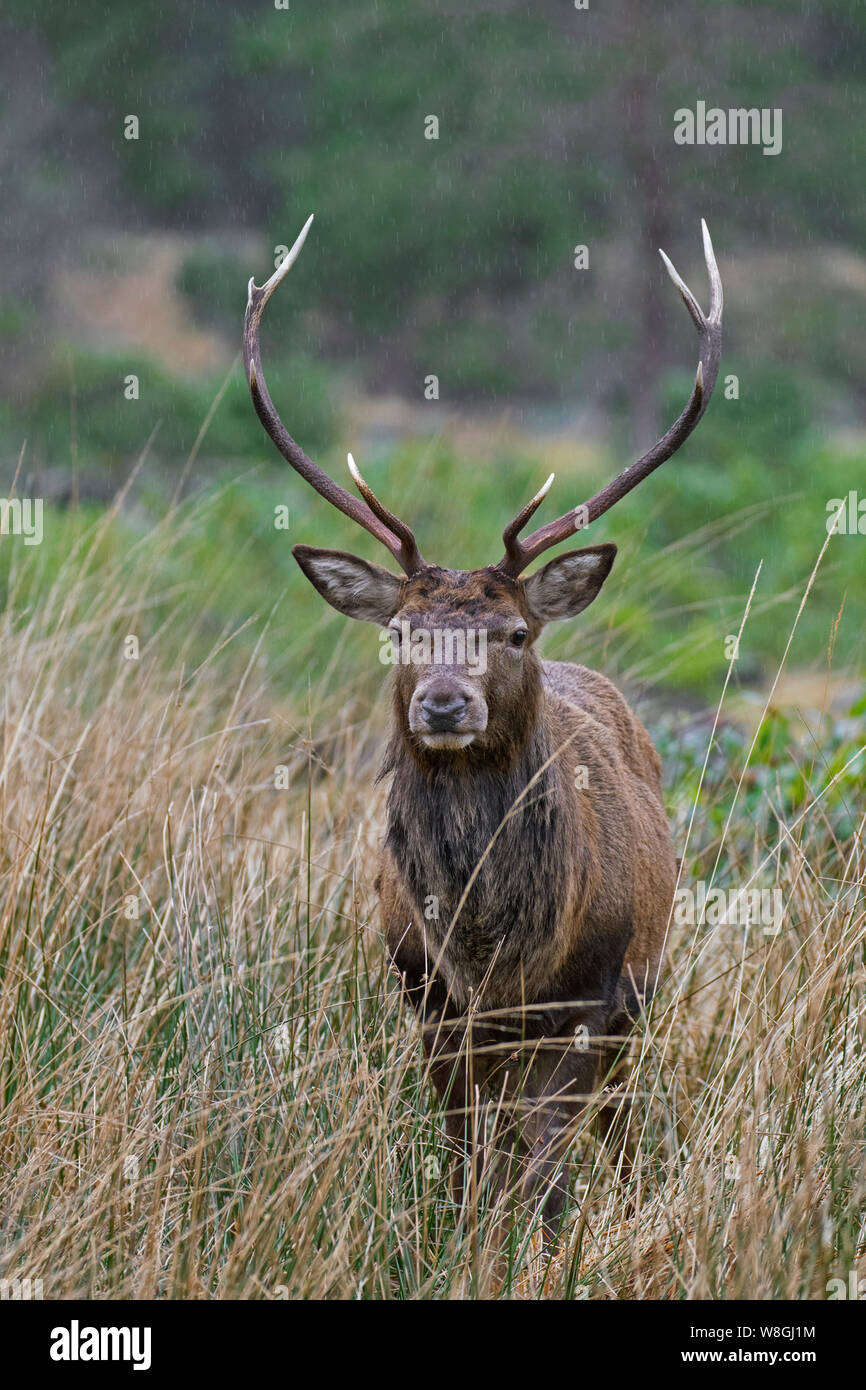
x,y
482,850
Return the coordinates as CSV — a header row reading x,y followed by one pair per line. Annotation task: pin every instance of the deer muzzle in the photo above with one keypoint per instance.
x,y
447,712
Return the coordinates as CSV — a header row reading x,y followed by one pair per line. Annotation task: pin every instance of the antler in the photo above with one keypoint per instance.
x,y
371,514
518,554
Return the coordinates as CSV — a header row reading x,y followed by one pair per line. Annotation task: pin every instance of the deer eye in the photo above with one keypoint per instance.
x,y
519,636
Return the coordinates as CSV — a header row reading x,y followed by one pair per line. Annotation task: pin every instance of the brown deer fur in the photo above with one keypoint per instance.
x,y
526,878
527,870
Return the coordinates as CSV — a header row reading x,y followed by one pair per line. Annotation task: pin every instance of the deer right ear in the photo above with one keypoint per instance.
x,y
351,585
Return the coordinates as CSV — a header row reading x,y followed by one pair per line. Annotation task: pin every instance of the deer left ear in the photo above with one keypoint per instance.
x,y
569,583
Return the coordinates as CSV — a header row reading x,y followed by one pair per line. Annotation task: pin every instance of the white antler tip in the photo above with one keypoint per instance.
x,y
707,240
671,268
302,236
287,262
542,492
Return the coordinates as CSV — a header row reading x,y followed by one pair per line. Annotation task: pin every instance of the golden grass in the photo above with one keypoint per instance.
x,y
210,1087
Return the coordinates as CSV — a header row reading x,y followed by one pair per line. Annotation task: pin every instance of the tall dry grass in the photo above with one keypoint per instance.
x,y
210,1087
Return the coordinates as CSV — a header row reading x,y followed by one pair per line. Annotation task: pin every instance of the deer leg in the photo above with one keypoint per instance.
x,y
614,1116
450,1066
615,1133
560,1081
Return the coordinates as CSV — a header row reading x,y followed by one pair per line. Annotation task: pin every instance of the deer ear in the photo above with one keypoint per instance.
x,y
569,583
352,586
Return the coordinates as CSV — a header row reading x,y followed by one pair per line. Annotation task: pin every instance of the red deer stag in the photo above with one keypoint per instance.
x,y
527,869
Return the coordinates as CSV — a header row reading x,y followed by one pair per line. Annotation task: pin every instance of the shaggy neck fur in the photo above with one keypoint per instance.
x,y
467,816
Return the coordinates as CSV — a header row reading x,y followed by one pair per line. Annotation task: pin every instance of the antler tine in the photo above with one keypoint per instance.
x,y
395,535
513,529
518,554
393,523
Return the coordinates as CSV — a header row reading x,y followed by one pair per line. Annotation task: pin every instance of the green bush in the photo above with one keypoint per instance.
x,y
81,410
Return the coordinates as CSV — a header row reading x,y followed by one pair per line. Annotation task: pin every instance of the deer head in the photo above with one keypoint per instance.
x,y
459,700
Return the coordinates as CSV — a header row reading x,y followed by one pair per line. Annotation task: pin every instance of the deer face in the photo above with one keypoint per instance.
x,y
469,636
451,703
461,641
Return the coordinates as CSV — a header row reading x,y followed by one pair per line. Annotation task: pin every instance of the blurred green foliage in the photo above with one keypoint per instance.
x,y
677,592
454,256
555,128
748,788
81,412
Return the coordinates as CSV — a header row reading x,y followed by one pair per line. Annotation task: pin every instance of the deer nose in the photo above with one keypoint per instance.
x,y
443,710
